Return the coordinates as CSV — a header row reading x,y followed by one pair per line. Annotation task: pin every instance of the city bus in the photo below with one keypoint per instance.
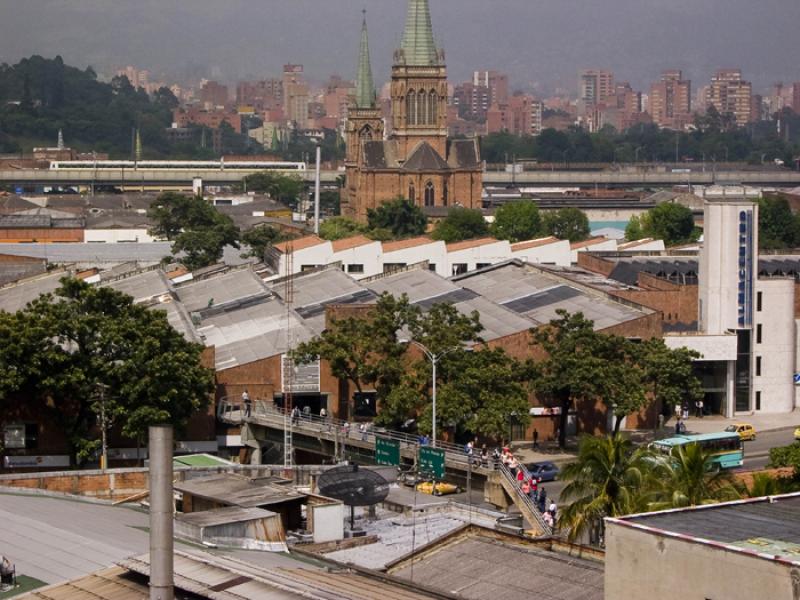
x,y
727,447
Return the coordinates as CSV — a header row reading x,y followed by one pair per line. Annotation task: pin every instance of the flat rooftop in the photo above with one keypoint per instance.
x,y
768,527
238,491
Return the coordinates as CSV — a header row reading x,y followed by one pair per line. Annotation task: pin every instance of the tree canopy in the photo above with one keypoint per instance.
x,y
461,224
338,228
777,227
400,217
285,189
567,224
63,346
671,222
258,239
198,231
517,222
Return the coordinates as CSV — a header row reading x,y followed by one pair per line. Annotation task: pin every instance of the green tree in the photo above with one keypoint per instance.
x,y
461,224
259,239
199,233
669,374
777,226
363,350
576,367
338,228
517,221
62,346
399,216
673,223
567,224
286,189
689,477
607,479
633,231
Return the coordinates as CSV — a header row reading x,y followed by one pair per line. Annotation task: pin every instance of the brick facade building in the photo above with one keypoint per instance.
x,y
418,161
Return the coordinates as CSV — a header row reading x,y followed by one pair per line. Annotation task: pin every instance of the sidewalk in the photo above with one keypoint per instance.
x,y
762,422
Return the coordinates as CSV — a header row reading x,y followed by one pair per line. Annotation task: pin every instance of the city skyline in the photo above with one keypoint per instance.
x,y
541,48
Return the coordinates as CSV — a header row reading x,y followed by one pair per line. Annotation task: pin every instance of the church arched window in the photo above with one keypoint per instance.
x,y
366,134
433,106
445,194
411,107
430,194
422,107
412,193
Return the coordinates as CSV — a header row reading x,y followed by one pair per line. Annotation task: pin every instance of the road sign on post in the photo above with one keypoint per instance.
x,y
431,462
387,452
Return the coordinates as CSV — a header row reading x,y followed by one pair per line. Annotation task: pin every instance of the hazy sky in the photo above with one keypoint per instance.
x,y
540,42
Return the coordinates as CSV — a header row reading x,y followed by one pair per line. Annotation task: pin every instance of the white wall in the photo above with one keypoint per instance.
x,y
117,236
641,564
435,253
605,246
489,253
368,255
719,264
328,520
711,347
778,347
556,253
314,256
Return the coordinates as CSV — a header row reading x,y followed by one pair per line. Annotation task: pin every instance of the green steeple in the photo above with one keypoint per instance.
x,y
418,45
365,87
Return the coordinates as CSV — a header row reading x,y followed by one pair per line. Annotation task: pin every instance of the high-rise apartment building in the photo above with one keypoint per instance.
x,y
522,115
595,87
295,95
214,94
496,82
670,102
729,93
263,95
474,98
796,98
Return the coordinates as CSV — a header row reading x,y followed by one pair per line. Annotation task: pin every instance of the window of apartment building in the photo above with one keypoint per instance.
x,y
759,298
758,366
460,268
758,400
759,333
355,268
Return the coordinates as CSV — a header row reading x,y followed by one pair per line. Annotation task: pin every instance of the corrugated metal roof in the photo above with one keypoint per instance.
x,y
479,568
237,491
220,290
222,516
16,296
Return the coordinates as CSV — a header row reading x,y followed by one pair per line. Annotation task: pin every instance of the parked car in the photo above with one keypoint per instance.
x,y
797,434
746,431
546,471
441,488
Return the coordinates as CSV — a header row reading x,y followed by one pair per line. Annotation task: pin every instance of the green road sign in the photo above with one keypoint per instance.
x,y
431,461
387,452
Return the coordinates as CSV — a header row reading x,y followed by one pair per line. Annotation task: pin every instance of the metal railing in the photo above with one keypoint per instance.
x,y
233,411
521,499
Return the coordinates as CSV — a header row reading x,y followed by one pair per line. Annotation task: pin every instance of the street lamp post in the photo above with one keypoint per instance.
x,y
434,358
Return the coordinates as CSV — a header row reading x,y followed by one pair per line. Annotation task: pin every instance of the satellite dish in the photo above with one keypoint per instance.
x,y
353,486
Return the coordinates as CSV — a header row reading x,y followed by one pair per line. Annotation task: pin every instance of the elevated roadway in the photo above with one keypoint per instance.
x,y
621,179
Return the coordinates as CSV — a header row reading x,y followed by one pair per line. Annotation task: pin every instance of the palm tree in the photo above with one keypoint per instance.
x,y
606,480
689,477
764,484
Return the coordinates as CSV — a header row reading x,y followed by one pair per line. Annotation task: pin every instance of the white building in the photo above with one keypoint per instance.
x,y
595,244
546,251
402,253
360,256
470,255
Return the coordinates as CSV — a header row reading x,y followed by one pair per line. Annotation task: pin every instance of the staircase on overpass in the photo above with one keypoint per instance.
x,y
530,512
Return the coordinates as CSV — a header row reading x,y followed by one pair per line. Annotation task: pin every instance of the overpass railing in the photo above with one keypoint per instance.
x,y
234,411
524,502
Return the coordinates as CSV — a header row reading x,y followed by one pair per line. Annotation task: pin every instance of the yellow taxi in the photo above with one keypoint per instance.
x,y
797,434
442,488
746,431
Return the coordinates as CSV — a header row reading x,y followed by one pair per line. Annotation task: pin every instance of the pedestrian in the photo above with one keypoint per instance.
x,y
548,520
295,415
542,499
520,476
678,425
700,408
364,432
248,404
685,411
346,429
306,412
526,487
469,448
513,465
6,571
678,411
535,438
535,489
553,509
697,408
484,456
497,458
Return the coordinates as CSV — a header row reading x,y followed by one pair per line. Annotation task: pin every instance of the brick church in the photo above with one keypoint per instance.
x,y
415,160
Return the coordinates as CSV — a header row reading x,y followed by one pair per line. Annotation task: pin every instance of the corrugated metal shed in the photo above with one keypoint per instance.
x,y
237,491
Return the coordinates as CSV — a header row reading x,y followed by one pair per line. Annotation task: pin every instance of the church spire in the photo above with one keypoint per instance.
x,y
365,86
418,45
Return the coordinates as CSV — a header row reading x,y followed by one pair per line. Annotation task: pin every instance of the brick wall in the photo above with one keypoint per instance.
x,y
595,264
23,236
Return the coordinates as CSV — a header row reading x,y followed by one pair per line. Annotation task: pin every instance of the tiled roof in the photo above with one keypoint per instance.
x,y
405,244
300,244
534,243
424,158
586,243
467,244
351,242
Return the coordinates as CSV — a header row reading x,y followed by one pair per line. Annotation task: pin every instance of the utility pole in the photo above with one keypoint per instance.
x,y
103,427
316,191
